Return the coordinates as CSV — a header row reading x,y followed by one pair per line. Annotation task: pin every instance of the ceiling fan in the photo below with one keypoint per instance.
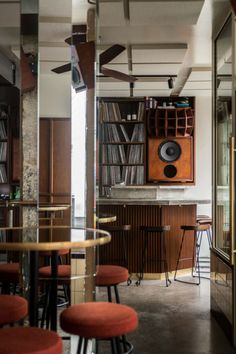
x,y
82,48
107,56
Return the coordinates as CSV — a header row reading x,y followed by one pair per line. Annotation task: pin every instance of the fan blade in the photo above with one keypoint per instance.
x,y
76,38
118,75
86,55
62,69
109,54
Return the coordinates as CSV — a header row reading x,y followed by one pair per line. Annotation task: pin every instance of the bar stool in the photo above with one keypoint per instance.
x,y
123,230
29,340
100,321
63,276
47,255
13,308
197,232
161,230
204,261
9,274
110,276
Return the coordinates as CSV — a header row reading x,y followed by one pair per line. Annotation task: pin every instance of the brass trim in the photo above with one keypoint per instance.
x,y
232,195
54,246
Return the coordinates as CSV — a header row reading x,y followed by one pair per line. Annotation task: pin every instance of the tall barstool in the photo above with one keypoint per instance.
x,y
196,231
123,231
161,230
206,222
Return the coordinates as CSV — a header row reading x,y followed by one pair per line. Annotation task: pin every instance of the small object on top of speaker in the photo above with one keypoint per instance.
x,y
169,151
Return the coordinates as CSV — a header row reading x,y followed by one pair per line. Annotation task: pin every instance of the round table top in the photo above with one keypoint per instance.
x,y
104,237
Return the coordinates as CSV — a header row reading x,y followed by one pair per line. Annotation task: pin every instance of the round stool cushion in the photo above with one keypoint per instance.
x,y
49,253
100,320
63,271
29,340
12,308
9,272
111,275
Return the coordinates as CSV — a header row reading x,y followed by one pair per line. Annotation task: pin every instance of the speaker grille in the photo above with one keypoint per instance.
x,y
170,171
169,151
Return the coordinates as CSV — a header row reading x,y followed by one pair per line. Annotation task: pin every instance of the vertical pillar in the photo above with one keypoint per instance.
x,y
29,128
90,168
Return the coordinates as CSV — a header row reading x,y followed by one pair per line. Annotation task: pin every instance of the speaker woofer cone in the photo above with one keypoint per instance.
x,y
169,151
170,171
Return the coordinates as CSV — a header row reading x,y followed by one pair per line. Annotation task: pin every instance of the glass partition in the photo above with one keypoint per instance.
x,y
223,133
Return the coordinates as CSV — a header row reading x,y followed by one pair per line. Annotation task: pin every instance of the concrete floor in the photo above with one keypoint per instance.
x,y
173,320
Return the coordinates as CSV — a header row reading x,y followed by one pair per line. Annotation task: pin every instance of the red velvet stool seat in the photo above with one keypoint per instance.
x,y
63,277
29,340
9,274
110,276
100,320
48,254
12,309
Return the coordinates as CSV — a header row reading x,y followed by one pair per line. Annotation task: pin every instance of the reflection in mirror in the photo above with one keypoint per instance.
x,y
55,113
223,101
9,103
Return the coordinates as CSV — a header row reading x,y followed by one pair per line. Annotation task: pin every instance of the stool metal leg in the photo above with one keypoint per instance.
x,y
109,294
96,346
113,346
117,294
166,268
196,251
85,345
118,346
180,251
80,342
138,282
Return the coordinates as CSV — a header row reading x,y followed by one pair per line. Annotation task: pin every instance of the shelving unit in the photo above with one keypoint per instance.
x,y
122,139
170,122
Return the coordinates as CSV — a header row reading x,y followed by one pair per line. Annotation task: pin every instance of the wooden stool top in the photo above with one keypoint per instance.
x,y
162,228
196,227
113,228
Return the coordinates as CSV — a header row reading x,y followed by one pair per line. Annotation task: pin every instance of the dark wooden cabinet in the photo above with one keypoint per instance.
x,y
55,166
149,215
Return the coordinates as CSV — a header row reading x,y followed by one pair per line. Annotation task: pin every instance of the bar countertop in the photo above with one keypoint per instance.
x,y
136,201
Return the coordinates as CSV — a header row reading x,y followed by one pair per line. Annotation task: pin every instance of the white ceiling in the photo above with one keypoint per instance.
x,y
165,38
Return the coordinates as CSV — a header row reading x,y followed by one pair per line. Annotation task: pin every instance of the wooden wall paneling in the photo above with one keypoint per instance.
x,y
55,169
44,160
175,216
61,150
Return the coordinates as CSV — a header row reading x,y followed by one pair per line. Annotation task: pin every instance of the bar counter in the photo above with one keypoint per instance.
x,y
149,212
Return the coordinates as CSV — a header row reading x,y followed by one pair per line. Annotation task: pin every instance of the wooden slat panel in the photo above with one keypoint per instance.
x,y
175,216
148,215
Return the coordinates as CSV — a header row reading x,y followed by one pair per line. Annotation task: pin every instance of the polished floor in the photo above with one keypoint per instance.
x,y
173,320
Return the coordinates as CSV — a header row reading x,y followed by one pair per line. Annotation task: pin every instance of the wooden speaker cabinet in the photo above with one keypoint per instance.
x,y
170,159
